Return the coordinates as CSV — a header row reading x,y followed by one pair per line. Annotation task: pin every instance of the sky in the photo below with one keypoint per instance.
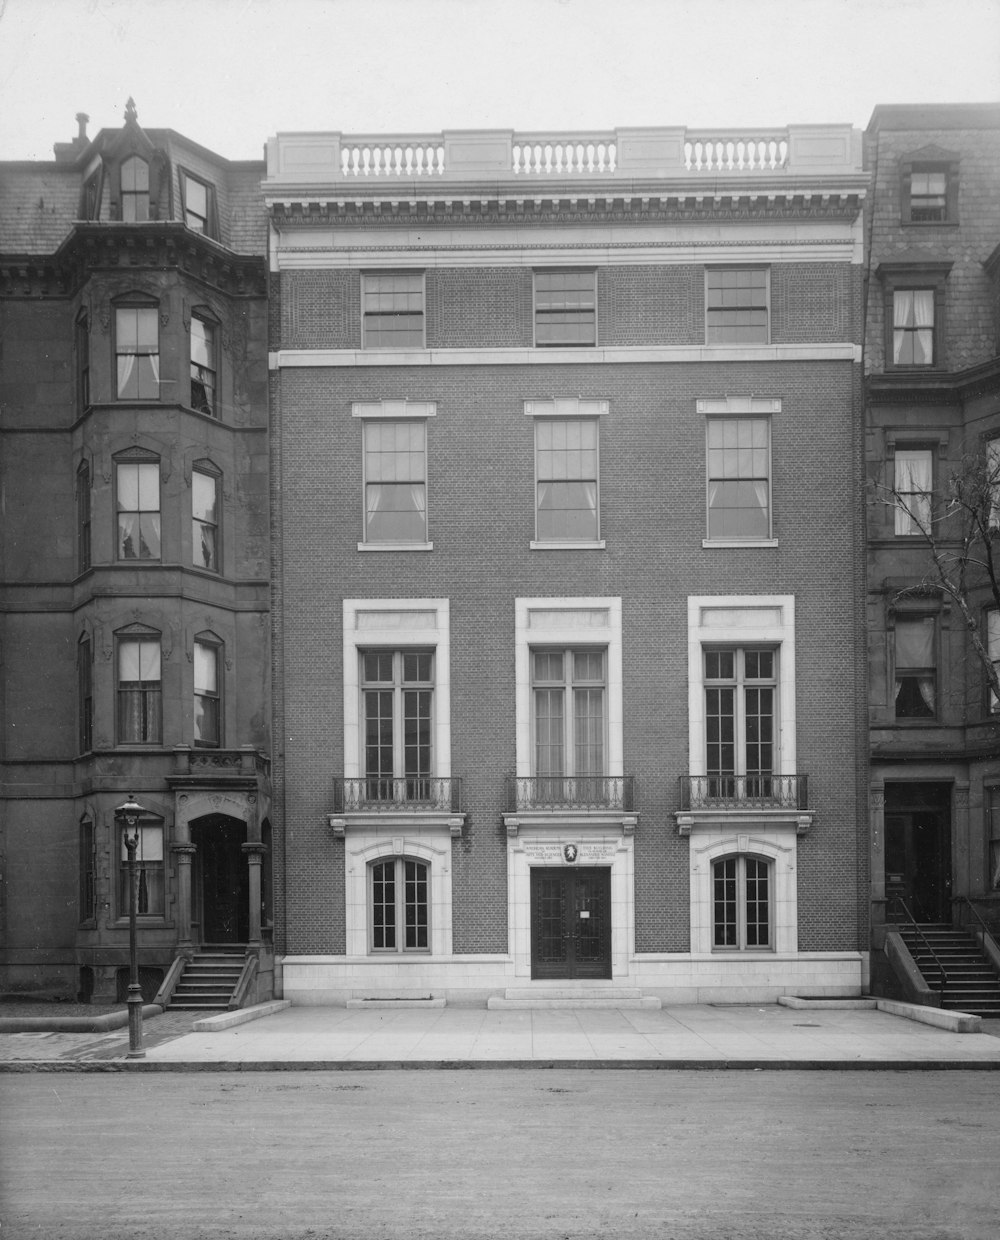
x,y
230,73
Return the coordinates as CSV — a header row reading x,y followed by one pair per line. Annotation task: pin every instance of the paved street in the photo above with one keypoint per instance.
x,y
384,1155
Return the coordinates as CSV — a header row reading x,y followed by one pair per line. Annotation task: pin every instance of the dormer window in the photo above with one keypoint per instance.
x,y
929,187
199,205
135,190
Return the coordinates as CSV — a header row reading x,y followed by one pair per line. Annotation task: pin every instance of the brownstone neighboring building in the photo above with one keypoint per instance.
x,y
932,373
134,561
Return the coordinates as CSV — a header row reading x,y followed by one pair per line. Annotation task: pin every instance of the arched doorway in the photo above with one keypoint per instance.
x,y
221,882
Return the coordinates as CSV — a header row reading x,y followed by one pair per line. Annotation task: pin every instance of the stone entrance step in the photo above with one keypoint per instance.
x,y
588,996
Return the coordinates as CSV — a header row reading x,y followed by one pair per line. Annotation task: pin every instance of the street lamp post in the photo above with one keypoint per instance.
x,y
128,814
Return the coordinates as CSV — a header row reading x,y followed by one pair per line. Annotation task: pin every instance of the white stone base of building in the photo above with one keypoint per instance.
x,y
676,978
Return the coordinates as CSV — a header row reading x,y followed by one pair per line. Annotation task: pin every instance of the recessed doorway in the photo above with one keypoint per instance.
x,y
571,922
222,895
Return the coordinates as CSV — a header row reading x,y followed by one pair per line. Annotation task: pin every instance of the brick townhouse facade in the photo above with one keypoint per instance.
x,y
932,375
568,588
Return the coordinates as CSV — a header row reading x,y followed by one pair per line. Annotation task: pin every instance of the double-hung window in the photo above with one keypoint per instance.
x,y
199,203
138,500
393,310
395,481
83,361
739,478
569,720
88,871
915,667
149,900
85,693
137,352
565,308
993,648
736,305
135,190
740,721
928,195
83,517
566,469
203,365
913,487
139,690
741,901
207,699
913,327
205,519
397,695
399,895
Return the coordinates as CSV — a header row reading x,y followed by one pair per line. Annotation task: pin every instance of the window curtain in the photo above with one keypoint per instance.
x,y
913,481
915,659
913,323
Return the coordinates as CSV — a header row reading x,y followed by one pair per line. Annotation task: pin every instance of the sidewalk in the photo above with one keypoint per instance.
x,y
691,1036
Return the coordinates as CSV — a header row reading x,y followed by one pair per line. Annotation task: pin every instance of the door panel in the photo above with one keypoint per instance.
x,y
571,923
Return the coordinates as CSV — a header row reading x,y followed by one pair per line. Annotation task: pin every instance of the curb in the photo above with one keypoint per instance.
x,y
73,1024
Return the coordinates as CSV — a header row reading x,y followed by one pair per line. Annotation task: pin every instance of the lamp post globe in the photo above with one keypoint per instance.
x,y
129,814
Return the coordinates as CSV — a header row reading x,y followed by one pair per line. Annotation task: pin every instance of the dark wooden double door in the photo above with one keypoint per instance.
x,y
222,887
570,923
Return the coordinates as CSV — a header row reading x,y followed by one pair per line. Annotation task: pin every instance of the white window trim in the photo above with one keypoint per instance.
x,y
568,622
578,408
381,843
780,849
396,624
742,406
396,410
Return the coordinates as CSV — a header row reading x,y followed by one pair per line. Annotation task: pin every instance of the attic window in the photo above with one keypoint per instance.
x,y
135,190
929,187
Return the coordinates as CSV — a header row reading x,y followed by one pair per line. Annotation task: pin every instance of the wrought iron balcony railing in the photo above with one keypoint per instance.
x,y
744,792
582,792
376,794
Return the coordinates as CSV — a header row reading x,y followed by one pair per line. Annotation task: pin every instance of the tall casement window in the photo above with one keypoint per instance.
x,y
913,485
569,719
203,365
83,361
139,690
207,699
397,696
566,480
739,478
83,517
199,204
993,646
736,305
205,518
400,905
741,903
740,721
87,871
565,308
395,481
915,667
137,352
85,693
149,872
135,190
137,485
913,327
393,310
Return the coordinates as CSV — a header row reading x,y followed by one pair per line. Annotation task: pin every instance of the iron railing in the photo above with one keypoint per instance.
x,y
579,792
899,902
380,794
744,792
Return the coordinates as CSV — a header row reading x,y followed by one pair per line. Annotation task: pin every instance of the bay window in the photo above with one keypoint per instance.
x,y
915,667
139,690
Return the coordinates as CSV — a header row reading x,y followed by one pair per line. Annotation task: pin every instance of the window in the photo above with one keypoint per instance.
x,y
203,365
393,310
83,517
566,467
139,693
207,716
138,498
199,204
400,906
137,351
740,721
913,327
397,694
928,195
83,361
90,203
569,718
994,827
913,485
149,873
395,481
739,468
993,484
88,869
916,667
993,648
565,308
736,305
85,693
741,900
205,519
135,190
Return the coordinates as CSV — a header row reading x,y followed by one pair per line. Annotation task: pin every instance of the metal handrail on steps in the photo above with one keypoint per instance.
x,y
989,945
975,913
898,900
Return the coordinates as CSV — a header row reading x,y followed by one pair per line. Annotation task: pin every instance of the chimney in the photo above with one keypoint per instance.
x,y
66,152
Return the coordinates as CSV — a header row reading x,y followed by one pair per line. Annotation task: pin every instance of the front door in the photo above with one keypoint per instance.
x,y
571,923
918,850
224,902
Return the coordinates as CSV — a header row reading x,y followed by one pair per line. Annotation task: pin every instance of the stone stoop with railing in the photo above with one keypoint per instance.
x,y
954,966
209,979
589,996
